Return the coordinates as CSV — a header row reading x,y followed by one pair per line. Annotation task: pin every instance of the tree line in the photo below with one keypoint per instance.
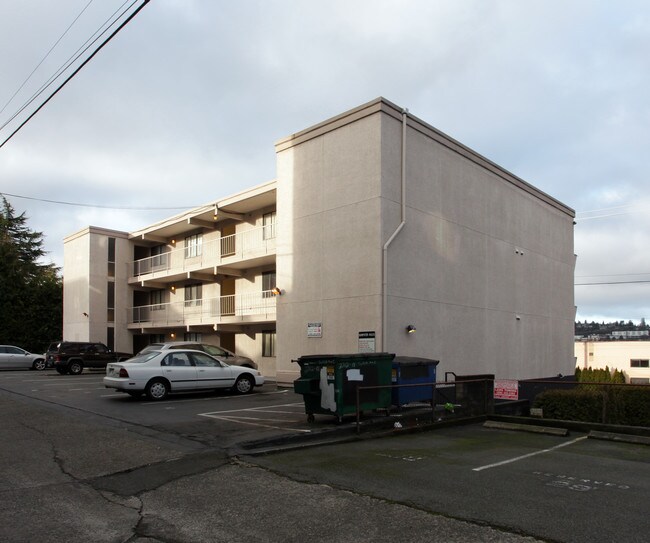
x,y
31,293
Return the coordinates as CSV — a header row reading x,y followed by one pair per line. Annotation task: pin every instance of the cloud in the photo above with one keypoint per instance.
x,y
194,94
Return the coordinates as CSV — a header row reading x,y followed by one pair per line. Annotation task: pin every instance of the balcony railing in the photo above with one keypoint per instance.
x,y
206,310
246,244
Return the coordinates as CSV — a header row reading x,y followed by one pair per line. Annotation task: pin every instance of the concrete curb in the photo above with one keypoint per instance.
x,y
621,438
526,428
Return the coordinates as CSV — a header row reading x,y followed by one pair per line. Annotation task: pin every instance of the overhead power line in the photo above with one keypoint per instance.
x,y
78,69
611,283
133,208
45,57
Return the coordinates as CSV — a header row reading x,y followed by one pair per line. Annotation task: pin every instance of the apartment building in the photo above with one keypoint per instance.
x,y
379,233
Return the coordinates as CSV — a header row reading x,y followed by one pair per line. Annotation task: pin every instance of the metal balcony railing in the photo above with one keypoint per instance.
x,y
239,246
205,311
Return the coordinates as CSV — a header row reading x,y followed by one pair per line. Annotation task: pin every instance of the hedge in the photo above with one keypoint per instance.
x,y
627,405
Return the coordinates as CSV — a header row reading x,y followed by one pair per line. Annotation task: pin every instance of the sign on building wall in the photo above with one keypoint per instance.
x,y
367,342
314,329
506,389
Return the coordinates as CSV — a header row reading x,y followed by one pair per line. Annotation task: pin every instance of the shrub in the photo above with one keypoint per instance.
x,y
628,405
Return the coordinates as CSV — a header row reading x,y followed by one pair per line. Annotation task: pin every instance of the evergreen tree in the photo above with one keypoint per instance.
x,y
31,296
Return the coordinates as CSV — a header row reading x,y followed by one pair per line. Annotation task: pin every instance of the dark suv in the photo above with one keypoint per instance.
x,y
73,356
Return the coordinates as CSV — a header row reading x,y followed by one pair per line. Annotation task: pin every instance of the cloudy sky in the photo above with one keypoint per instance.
x,y
194,94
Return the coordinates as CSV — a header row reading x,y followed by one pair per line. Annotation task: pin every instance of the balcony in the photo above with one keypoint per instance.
x,y
251,308
241,250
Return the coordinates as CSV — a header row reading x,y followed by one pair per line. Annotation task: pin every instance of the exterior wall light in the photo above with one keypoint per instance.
x,y
172,335
276,291
410,329
173,288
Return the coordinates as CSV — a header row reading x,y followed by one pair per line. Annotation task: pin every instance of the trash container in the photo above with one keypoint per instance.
x,y
410,370
329,383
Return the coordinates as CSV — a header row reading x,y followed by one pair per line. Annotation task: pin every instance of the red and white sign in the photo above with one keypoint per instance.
x,y
506,389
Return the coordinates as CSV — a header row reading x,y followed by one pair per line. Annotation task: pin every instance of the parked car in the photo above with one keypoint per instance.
x,y
12,357
219,352
159,373
73,356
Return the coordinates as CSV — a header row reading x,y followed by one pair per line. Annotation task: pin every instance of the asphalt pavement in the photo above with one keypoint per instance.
x,y
78,464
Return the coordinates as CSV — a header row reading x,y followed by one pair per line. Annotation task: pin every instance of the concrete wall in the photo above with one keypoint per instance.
x,y
615,354
483,266
85,287
329,243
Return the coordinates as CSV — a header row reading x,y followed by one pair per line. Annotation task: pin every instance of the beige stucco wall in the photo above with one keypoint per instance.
x,y
483,266
329,242
85,287
615,354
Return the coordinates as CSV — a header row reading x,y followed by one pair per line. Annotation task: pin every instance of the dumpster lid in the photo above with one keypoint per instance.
x,y
339,357
414,361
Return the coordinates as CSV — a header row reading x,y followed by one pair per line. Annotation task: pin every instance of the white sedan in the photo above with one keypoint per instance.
x,y
157,373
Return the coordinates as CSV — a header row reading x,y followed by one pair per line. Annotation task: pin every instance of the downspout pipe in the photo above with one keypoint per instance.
x,y
384,309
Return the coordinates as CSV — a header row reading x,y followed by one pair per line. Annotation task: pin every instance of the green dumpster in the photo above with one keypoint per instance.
x,y
329,383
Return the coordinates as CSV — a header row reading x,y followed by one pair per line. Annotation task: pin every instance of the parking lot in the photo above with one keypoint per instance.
x,y
555,488
211,419
569,488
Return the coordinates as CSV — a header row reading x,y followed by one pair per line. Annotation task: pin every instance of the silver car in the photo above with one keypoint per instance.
x,y
13,358
221,353
159,373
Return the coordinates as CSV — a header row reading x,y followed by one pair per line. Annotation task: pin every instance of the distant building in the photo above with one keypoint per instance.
x,y
630,357
377,224
628,334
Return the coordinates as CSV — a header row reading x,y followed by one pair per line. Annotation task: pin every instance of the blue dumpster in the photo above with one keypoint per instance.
x,y
411,370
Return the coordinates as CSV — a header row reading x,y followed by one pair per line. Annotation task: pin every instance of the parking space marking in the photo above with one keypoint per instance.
x,y
261,408
242,419
211,398
516,459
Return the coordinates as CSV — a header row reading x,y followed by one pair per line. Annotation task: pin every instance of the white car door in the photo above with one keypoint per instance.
x,y
178,368
211,372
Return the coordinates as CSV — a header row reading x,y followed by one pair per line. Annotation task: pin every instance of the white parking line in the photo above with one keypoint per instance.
x,y
211,398
237,420
530,454
261,408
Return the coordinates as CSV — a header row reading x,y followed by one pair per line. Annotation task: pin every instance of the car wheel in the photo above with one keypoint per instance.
x,y
75,367
39,364
244,385
157,390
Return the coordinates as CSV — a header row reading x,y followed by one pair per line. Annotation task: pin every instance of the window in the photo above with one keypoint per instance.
x,y
158,257
156,299
176,359
193,245
192,295
268,223
638,363
192,336
110,338
157,338
111,257
110,302
202,359
639,380
268,284
268,343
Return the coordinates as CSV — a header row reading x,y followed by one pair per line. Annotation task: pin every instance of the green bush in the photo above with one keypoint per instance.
x,y
627,405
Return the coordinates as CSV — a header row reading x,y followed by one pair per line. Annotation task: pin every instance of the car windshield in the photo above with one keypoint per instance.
x,y
143,357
